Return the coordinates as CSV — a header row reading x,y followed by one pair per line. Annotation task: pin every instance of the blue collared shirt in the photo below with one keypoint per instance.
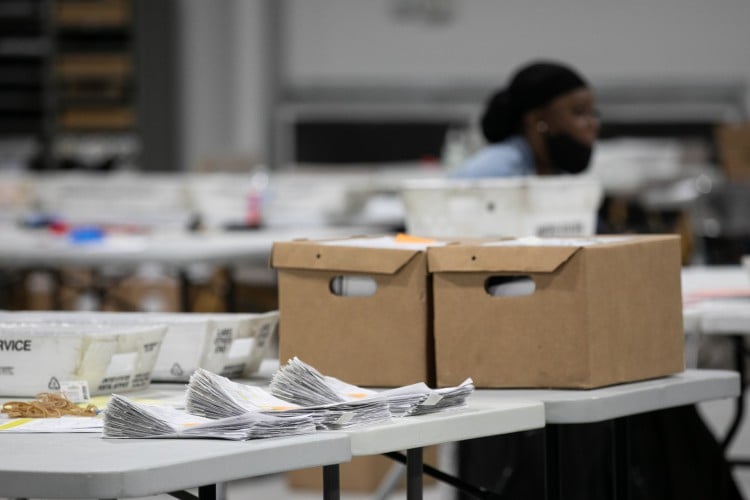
x,y
510,158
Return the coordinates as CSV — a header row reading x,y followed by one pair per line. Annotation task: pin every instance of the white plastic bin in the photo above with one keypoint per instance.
x,y
152,201
223,199
518,206
231,344
41,356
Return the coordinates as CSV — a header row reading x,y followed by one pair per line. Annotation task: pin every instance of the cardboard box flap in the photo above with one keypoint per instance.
x,y
313,256
457,258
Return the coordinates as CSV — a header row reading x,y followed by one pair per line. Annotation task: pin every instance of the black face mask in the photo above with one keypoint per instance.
x,y
567,154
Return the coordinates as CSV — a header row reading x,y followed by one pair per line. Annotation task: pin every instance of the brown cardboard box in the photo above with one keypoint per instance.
x,y
104,66
136,293
733,145
361,474
600,314
378,340
97,14
109,118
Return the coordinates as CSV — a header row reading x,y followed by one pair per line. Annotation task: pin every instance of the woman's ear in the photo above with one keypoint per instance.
x,y
534,123
530,122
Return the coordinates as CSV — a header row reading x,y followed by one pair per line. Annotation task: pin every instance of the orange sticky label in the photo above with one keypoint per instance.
x,y
357,395
408,238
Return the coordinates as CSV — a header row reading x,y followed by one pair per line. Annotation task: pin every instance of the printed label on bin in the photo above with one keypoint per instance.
x,y
263,334
241,348
222,340
76,391
121,364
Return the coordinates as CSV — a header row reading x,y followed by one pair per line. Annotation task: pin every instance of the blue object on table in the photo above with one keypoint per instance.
x,y
86,234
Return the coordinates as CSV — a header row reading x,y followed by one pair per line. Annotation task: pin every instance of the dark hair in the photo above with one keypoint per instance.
x,y
532,86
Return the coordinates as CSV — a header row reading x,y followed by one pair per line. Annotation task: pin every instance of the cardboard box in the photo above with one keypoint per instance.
x,y
733,145
379,340
102,13
137,293
603,311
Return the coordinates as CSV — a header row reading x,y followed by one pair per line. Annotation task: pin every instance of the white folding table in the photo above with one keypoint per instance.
x,y
717,302
89,466
564,406
479,419
177,250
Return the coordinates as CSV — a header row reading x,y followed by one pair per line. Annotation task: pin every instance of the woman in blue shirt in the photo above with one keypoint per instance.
x,y
544,122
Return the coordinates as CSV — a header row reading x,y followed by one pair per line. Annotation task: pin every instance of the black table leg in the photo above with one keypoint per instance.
x,y
207,492
475,491
184,283
230,294
57,285
552,462
738,343
621,459
331,486
204,493
414,474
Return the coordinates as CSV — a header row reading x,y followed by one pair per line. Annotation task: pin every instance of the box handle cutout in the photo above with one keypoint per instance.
x,y
509,286
353,286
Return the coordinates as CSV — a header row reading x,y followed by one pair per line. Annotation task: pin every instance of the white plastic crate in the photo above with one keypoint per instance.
x,y
518,206
231,344
156,201
15,198
223,199
310,198
42,356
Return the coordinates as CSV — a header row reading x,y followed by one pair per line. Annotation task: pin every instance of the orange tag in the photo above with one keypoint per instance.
x,y
357,395
408,238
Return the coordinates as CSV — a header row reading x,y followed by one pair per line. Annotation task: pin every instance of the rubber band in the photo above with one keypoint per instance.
x,y
47,405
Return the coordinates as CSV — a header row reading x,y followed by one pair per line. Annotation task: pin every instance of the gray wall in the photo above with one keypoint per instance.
x,y
351,41
221,78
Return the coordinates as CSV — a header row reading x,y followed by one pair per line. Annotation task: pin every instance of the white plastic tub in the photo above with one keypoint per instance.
x,y
231,344
518,206
42,356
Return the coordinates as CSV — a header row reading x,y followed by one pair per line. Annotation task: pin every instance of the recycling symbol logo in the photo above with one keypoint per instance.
x,y
176,370
54,384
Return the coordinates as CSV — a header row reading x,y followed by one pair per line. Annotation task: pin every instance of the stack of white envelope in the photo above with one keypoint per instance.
x,y
300,383
301,400
125,418
213,396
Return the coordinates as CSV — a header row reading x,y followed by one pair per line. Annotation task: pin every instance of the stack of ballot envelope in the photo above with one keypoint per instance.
x,y
214,396
300,383
125,418
300,399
